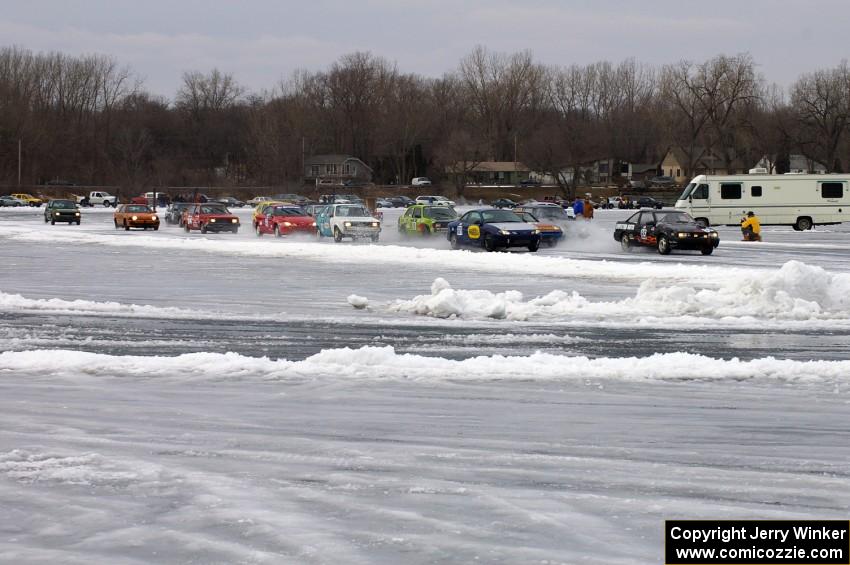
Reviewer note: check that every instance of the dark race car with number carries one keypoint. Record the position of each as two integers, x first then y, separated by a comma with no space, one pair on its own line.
493,229
665,230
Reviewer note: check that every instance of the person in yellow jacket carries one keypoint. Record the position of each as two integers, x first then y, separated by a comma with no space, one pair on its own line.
751,227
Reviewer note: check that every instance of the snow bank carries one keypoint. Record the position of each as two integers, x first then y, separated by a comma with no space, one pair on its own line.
371,363
16,302
525,264
796,292
358,302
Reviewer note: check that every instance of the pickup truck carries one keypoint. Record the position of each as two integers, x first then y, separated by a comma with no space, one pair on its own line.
97,198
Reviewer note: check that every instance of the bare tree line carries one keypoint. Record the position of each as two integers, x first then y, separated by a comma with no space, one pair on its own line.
89,119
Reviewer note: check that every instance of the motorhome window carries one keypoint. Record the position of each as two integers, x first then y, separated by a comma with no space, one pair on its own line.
701,192
730,191
832,190
755,190
687,191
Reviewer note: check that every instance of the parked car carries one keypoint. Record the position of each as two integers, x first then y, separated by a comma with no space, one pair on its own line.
174,212
231,202
347,220
662,181
284,219
135,216
435,201
61,210
648,202
550,234
531,182
29,199
493,229
425,219
420,181
383,203
292,198
665,230
257,199
11,201
210,217
97,198
401,201
503,203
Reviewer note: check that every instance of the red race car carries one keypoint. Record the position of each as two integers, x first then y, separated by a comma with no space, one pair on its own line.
283,220
209,217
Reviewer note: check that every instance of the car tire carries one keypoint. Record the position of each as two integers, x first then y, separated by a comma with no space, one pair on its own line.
78,222
126,226
235,230
277,231
453,241
257,230
203,228
46,220
186,228
374,238
337,235
116,224
625,243
664,245
534,246
156,228
489,244
803,224
707,250
52,222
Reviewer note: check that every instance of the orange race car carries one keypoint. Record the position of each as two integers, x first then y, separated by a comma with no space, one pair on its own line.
135,216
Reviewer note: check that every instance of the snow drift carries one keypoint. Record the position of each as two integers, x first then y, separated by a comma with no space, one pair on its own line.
376,363
796,292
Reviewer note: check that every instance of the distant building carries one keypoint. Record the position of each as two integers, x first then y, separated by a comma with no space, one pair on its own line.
336,168
490,172
707,162
794,164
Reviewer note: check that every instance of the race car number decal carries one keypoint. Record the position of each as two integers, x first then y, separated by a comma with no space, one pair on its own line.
643,231
624,227
474,232
460,229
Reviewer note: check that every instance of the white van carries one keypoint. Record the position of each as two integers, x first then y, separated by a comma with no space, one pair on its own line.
795,200
420,181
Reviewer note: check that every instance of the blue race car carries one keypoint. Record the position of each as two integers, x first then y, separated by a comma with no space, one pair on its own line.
493,229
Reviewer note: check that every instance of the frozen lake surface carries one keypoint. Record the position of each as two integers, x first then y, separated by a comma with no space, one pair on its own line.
179,398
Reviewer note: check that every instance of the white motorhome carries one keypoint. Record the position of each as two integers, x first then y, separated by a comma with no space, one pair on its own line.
795,200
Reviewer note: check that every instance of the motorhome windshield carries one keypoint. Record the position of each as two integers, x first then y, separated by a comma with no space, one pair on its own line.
688,190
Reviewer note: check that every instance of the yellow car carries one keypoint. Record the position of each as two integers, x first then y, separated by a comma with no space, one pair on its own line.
259,210
29,199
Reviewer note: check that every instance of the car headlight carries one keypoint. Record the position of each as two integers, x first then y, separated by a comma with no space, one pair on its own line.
154,218
375,224
314,224
347,224
212,220
134,218
535,232
287,224
504,232
234,221
557,228
714,234
77,214
57,213
682,234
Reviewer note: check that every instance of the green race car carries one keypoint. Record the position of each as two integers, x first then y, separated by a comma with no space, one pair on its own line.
425,219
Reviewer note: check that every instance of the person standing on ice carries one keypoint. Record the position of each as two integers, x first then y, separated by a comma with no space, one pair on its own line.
578,207
587,212
751,227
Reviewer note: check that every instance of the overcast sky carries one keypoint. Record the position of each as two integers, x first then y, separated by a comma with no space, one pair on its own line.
261,41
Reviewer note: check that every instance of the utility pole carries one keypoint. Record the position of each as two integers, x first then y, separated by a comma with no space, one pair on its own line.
19,163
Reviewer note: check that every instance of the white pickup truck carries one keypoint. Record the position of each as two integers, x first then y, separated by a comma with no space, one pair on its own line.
98,198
